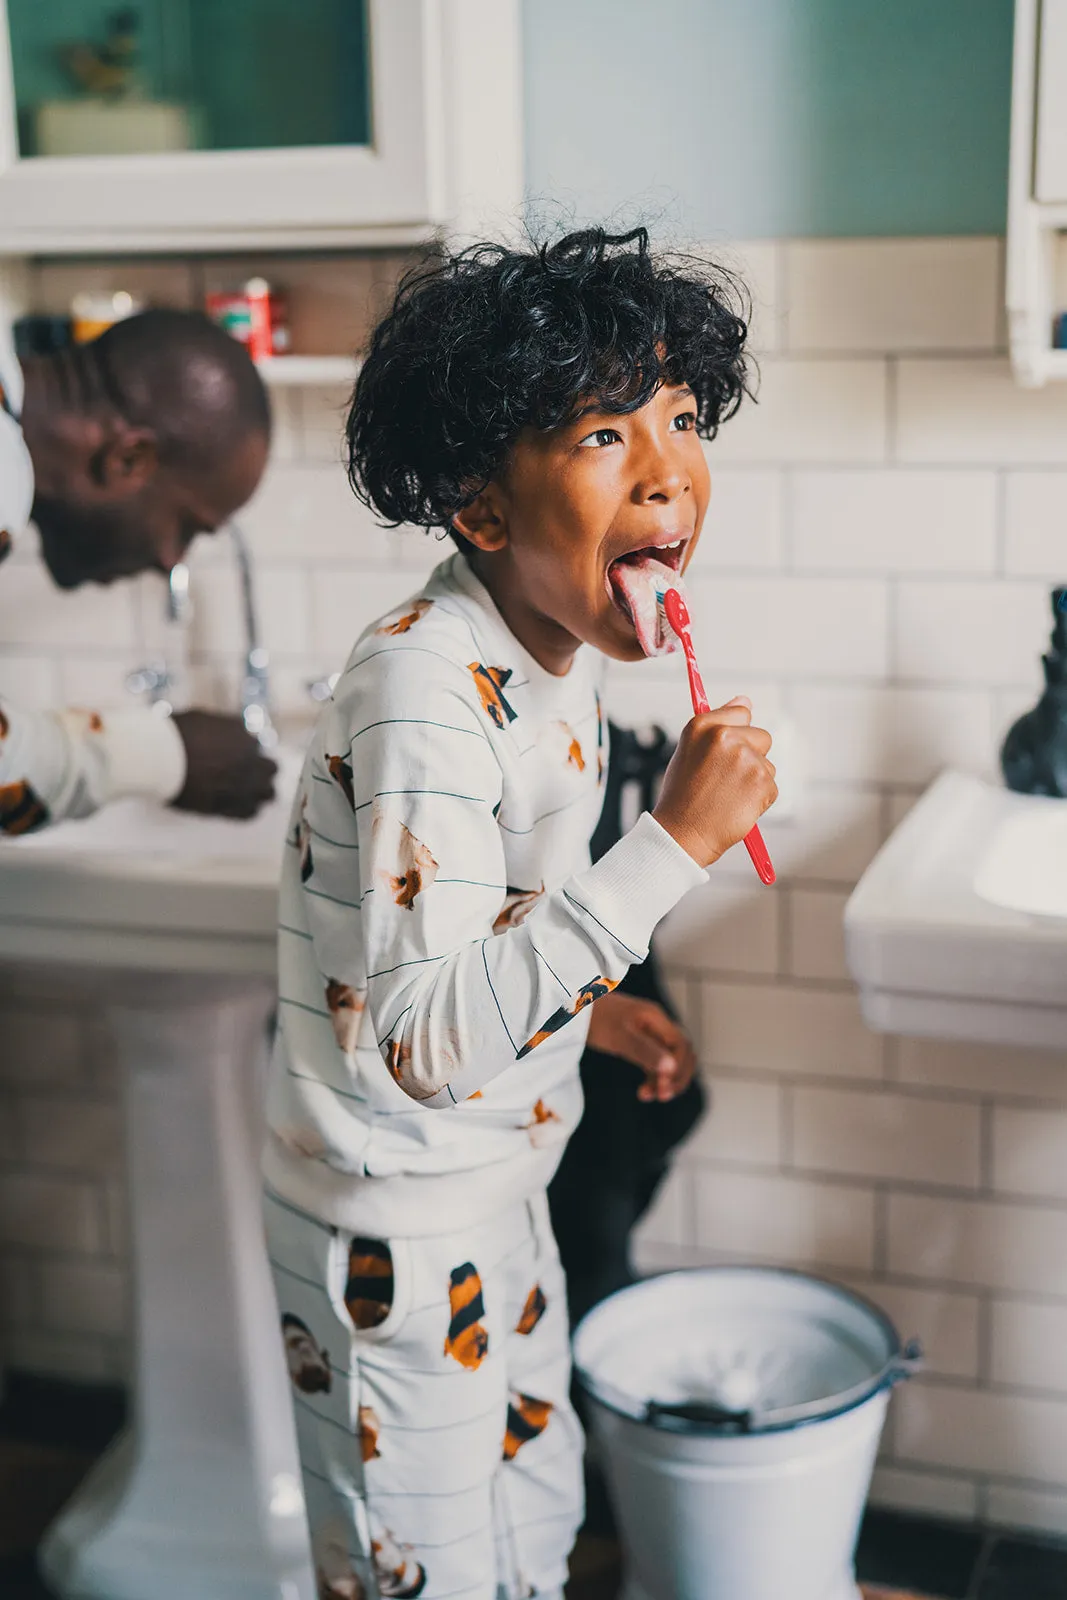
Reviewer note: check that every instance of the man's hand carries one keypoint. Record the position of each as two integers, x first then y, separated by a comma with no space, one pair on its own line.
641,1031
227,774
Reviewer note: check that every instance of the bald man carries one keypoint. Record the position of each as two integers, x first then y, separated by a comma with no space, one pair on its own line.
122,451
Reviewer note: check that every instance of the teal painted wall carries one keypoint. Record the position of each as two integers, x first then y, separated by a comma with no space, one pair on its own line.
757,118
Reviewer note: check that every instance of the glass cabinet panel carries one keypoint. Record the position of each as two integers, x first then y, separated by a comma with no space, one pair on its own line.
94,79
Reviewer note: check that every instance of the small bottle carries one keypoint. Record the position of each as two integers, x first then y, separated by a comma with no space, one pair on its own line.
92,314
260,336
1033,757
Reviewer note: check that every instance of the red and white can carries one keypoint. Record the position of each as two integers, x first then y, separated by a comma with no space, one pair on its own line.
260,334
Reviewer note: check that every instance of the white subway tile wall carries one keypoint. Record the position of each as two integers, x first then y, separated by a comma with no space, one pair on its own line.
884,526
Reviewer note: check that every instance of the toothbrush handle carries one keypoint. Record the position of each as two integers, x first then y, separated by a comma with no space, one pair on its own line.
757,850
760,856
696,683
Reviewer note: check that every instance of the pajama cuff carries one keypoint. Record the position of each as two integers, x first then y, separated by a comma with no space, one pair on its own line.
631,888
145,755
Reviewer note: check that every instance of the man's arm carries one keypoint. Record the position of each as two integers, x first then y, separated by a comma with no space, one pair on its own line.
68,763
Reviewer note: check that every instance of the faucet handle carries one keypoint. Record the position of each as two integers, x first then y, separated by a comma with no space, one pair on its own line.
179,603
320,689
152,680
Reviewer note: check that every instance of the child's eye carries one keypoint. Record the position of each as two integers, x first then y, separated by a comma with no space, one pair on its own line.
601,437
684,422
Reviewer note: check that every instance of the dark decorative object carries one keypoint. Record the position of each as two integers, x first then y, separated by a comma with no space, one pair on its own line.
40,335
107,69
1033,757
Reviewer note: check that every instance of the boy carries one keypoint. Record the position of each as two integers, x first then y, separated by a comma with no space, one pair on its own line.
444,939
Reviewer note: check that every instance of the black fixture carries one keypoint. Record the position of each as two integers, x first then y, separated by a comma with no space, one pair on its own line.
1033,757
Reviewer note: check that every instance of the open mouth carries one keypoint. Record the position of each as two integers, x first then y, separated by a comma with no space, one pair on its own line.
636,581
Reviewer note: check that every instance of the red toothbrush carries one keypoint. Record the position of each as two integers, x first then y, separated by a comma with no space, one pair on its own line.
678,617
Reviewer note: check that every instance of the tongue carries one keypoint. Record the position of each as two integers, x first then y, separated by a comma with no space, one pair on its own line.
637,586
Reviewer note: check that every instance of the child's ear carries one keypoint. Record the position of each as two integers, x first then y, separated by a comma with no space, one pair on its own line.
482,523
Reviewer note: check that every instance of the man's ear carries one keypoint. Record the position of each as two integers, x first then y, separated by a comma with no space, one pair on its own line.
482,523
126,461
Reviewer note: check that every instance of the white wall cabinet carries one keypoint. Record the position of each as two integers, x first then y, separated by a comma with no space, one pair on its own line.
1050,174
1037,191
444,153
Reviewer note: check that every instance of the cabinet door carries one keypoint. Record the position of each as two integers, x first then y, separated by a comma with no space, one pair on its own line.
1050,175
178,122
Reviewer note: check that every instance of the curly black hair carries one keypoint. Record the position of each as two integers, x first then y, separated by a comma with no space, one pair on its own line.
493,340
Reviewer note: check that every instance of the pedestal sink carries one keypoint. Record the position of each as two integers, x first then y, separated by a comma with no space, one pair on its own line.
167,920
958,928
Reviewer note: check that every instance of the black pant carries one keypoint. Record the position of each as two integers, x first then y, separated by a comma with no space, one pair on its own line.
615,1162
618,1155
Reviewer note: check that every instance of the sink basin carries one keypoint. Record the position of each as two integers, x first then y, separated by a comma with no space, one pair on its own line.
142,887
1025,866
958,928
166,922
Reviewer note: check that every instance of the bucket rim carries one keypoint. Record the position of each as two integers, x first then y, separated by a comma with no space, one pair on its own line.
904,1358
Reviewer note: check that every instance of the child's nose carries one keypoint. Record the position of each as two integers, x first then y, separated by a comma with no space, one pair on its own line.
662,482
662,474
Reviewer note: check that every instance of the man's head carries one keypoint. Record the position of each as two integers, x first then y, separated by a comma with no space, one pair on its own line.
153,433
547,406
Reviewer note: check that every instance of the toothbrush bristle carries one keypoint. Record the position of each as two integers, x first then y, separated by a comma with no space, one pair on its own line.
676,611
663,627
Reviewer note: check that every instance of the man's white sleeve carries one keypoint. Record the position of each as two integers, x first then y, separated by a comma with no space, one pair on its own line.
68,763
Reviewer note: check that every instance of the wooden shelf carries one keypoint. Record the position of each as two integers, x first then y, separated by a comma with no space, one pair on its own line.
291,371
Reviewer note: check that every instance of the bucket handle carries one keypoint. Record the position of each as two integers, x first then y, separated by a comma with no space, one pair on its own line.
911,1360
701,1413
705,1413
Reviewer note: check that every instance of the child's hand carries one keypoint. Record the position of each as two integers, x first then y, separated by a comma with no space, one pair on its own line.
719,782
641,1031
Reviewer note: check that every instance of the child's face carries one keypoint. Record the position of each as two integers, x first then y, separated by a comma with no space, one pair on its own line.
573,501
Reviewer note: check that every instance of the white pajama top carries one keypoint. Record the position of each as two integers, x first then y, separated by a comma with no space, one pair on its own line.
442,931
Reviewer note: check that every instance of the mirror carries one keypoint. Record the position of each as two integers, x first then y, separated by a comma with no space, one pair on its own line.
96,79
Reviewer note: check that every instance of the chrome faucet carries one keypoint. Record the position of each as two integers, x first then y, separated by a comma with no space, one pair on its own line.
179,604
255,684
156,681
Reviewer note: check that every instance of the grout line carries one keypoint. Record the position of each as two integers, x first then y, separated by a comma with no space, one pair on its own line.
906,1188
985,1340
986,1172
787,520
892,408
880,1255
891,1060
868,1283
785,930
950,1382
787,1132
948,1094
893,675
1000,525
781,294
690,1211
1005,1480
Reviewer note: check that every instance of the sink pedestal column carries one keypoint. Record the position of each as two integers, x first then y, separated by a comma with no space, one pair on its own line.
201,1497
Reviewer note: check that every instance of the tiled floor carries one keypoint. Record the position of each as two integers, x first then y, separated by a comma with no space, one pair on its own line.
1009,1570
49,1436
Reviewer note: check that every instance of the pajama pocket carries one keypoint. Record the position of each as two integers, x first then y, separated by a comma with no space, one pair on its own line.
370,1284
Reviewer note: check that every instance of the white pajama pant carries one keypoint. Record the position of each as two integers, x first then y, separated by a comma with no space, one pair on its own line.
430,1377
